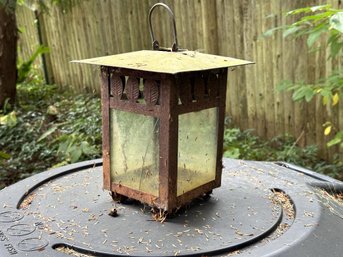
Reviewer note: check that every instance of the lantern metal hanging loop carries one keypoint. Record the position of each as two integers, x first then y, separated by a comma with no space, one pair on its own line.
155,43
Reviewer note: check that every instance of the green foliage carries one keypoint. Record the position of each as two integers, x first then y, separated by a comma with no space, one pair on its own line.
52,128
329,89
25,68
9,119
315,23
78,137
244,145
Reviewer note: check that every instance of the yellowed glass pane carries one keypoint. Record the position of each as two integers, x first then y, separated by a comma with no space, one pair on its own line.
135,151
197,149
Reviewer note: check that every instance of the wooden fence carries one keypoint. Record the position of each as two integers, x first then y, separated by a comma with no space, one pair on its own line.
225,27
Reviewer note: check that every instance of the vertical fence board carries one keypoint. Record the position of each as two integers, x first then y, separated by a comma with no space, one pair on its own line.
260,98
288,70
233,40
249,39
28,36
276,12
209,25
268,63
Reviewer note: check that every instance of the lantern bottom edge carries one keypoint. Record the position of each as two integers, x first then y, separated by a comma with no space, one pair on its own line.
123,194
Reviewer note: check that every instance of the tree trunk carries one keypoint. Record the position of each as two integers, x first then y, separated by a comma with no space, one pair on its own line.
8,51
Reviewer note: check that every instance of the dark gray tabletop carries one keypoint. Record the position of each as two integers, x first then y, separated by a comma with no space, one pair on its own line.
261,209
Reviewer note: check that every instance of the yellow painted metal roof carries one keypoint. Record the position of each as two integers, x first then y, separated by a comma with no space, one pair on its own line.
166,62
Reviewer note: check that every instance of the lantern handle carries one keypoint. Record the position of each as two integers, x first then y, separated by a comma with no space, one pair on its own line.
155,43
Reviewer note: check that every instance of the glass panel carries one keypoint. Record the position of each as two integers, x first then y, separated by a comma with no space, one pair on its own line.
135,151
197,151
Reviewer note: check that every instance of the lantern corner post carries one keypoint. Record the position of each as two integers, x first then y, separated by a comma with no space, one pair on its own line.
221,120
168,144
105,106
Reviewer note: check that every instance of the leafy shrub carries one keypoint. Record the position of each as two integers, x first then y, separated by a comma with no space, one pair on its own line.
25,71
51,128
315,22
244,145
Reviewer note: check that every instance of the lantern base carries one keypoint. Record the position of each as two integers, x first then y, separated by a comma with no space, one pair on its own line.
65,212
157,213
144,187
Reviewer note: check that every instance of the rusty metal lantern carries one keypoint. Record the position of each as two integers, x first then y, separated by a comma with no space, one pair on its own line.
163,121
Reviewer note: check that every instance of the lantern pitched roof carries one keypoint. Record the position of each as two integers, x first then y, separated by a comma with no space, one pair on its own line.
165,62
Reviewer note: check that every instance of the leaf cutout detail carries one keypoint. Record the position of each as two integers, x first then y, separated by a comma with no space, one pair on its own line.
151,92
117,86
132,89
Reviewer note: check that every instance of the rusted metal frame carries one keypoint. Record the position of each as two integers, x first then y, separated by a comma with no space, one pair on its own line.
105,95
168,144
135,194
194,74
198,106
139,74
203,100
221,118
125,105
196,192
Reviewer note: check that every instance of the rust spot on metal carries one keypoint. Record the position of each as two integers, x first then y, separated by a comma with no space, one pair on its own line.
105,96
